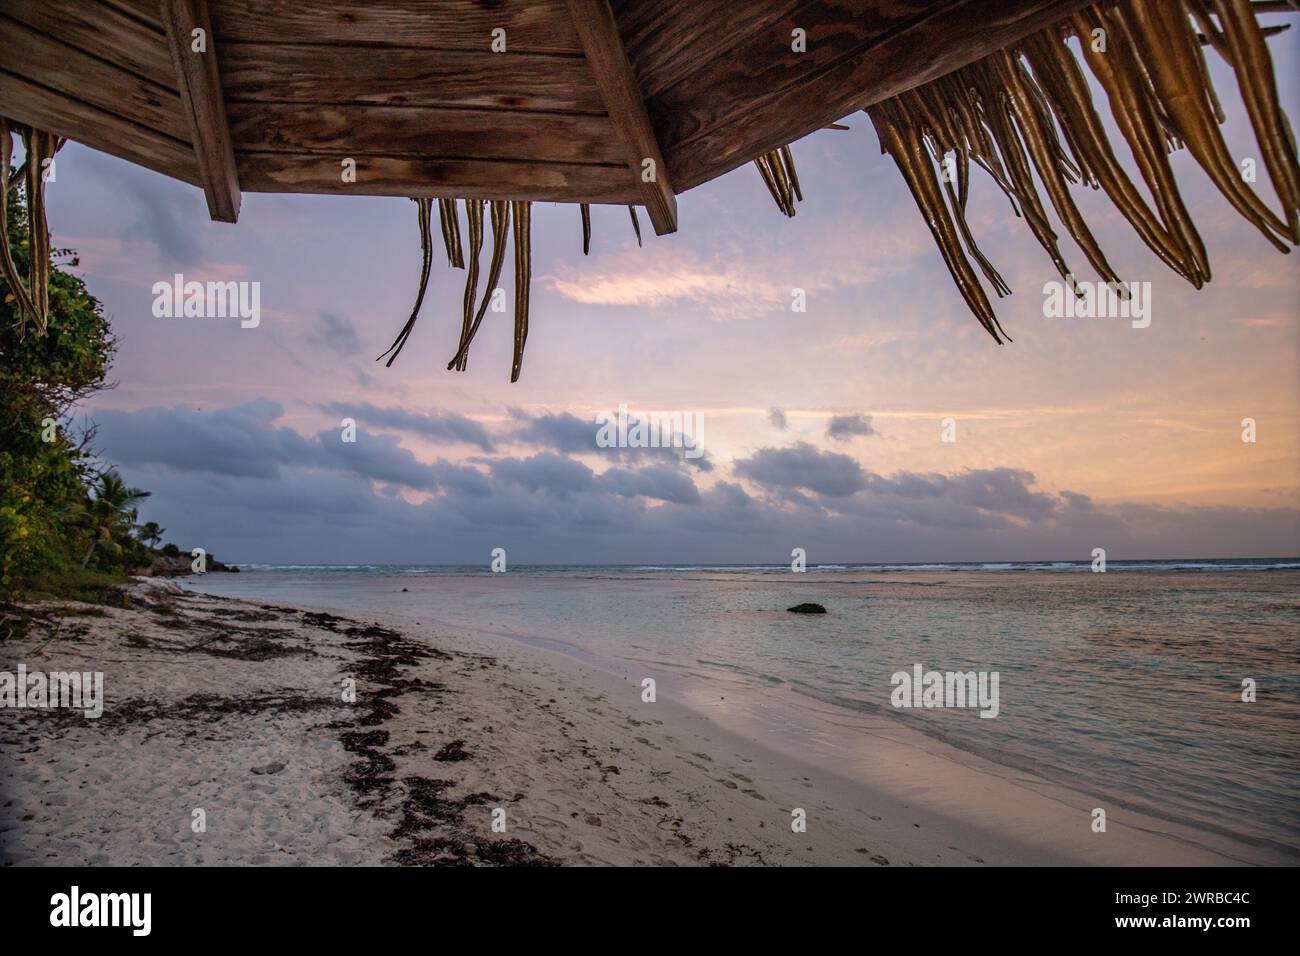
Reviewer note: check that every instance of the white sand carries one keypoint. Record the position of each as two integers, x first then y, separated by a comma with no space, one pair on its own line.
585,772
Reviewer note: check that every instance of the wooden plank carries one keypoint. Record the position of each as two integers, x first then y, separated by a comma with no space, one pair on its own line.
721,88
146,11
350,129
531,26
603,45
96,28
669,39
194,51
458,178
27,53
35,105
297,73
703,139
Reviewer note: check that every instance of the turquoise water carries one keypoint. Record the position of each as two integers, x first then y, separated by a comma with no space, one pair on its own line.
1125,684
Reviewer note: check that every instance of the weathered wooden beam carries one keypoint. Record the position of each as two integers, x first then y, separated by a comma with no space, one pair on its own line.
598,31
765,95
530,26
405,76
189,34
375,175
94,27
668,40
92,79
350,129
28,102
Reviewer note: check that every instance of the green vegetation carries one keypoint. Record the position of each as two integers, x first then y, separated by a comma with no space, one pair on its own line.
67,524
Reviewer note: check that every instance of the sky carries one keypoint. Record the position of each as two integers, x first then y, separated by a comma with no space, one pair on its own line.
822,429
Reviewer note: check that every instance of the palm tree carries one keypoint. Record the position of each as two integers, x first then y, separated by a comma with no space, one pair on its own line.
111,512
151,534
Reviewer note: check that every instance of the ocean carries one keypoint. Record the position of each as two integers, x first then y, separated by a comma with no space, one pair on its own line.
1126,684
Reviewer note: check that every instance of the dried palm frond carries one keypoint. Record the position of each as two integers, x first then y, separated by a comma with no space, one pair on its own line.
33,299
1176,75
1026,116
636,225
38,235
901,139
450,219
778,173
426,248
1136,113
500,212
787,158
474,214
523,271
1249,58
523,212
26,310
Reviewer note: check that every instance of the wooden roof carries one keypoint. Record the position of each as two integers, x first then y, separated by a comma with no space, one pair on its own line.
584,93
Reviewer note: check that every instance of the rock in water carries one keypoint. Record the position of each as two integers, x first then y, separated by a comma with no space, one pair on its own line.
807,609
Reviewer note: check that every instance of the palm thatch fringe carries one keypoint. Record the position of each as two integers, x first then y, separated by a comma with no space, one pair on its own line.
1025,115
500,213
474,213
636,225
32,298
26,310
778,173
1009,112
585,210
450,219
523,214
426,247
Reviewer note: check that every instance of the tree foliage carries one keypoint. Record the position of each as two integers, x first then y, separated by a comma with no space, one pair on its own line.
48,513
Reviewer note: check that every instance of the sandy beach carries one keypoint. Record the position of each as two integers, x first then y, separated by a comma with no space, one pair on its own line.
236,709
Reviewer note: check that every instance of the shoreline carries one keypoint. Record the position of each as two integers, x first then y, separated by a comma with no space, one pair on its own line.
449,727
